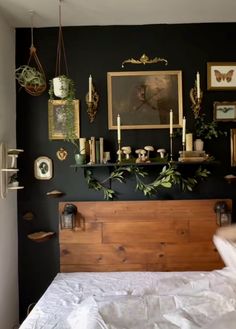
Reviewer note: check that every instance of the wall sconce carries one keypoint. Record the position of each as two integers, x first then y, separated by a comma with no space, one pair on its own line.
223,214
68,217
92,99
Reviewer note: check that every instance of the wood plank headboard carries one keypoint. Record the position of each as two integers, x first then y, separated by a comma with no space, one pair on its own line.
169,235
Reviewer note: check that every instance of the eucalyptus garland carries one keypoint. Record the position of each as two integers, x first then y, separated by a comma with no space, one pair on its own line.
167,178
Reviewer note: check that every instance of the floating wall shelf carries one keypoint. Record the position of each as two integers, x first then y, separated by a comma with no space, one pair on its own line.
8,166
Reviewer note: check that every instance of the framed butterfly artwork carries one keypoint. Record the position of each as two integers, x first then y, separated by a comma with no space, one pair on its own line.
224,111
221,76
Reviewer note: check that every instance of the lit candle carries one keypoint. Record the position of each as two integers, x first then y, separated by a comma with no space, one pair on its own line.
184,130
90,88
171,122
198,85
118,127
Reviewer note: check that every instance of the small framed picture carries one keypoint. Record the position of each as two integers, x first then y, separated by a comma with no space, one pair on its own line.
43,168
60,121
221,76
224,111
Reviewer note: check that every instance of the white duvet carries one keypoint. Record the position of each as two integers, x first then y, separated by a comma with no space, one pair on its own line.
137,300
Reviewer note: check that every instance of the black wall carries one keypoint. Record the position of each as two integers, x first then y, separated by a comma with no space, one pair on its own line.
96,51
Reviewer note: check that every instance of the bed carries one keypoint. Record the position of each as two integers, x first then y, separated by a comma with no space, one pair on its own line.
142,265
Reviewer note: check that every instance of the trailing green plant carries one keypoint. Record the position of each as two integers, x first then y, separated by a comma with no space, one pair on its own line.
70,132
167,178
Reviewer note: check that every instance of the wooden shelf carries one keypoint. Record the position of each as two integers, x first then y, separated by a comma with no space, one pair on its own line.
15,187
150,164
14,151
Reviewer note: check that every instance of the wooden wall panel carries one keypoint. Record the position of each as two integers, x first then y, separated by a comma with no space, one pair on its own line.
143,232
170,235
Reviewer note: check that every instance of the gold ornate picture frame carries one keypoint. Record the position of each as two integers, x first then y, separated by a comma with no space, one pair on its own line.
233,146
224,111
57,119
144,99
221,76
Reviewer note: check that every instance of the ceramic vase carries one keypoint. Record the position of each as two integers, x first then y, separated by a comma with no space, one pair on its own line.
80,158
198,145
60,87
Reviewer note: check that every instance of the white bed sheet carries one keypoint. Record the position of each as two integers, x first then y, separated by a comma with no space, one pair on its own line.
136,300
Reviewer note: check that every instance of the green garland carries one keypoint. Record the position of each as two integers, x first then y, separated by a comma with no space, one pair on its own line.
167,178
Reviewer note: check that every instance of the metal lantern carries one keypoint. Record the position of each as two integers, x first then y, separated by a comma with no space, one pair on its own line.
68,217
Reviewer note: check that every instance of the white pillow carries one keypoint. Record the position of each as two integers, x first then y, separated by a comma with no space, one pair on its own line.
227,251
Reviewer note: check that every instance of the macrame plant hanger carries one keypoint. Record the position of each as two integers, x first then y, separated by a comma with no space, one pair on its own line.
61,53
37,88
31,76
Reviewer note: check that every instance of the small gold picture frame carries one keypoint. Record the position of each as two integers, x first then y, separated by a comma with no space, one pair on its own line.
224,111
221,76
233,146
57,119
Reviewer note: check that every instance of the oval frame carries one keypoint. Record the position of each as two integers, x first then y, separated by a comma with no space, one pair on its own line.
43,168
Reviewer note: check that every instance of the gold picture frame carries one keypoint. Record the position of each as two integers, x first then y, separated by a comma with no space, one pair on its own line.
221,76
224,111
144,99
57,119
233,146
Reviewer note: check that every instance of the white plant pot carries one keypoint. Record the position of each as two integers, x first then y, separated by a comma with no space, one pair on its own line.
60,87
198,145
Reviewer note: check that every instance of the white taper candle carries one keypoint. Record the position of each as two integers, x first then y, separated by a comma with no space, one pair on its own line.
118,128
171,122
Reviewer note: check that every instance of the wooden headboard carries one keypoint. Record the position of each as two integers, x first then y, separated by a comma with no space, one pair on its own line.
169,235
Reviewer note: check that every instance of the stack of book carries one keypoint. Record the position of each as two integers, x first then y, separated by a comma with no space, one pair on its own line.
96,150
192,156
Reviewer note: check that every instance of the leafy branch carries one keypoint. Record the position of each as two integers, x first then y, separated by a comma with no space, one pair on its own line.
168,177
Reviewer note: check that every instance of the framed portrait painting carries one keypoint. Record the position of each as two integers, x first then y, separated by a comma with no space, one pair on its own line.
224,111
221,76
144,99
60,120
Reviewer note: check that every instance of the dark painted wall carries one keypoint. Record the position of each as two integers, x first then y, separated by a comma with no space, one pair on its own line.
97,50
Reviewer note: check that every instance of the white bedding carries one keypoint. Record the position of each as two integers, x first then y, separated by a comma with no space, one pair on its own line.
137,300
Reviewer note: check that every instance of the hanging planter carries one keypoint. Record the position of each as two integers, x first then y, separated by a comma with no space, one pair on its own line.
61,86
31,76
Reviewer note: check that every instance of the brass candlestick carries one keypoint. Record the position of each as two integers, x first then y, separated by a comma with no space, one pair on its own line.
119,152
196,101
171,147
92,104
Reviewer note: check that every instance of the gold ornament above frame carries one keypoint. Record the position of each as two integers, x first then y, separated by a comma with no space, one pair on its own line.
143,99
144,59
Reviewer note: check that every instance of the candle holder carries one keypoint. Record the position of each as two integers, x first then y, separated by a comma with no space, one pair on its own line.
119,152
171,147
196,101
93,104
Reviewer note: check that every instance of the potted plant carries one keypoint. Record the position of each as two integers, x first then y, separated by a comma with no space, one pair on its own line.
31,79
205,130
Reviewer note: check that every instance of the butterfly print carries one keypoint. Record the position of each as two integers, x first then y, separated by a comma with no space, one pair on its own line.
224,76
